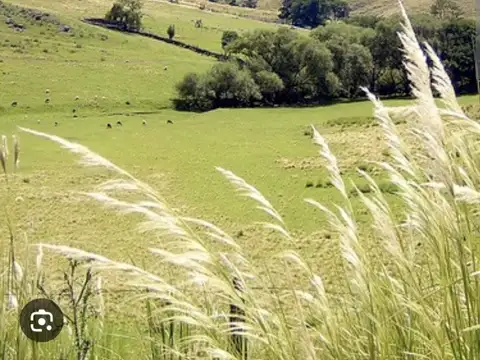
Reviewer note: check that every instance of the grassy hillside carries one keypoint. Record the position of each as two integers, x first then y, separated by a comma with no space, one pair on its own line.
268,9
387,7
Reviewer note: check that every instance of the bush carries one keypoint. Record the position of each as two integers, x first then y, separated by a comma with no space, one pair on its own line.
126,13
193,94
225,85
252,4
171,31
228,37
269,84
232,86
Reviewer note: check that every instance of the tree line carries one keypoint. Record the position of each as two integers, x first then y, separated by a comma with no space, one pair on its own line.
286,67
313,13
338,56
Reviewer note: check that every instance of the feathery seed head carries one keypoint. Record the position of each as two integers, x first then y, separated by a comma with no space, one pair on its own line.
17,271
4,153
12,303
16,152
39,258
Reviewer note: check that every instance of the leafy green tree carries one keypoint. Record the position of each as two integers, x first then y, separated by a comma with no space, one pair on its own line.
312,13
303,64
269,85
232,86
357,70
351,34
171,31
228,37
193,93
225,85
286,10
385,47
252,4
314,64
457,51
339,38
126,13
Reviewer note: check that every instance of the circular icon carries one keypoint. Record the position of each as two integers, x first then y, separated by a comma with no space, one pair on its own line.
41,320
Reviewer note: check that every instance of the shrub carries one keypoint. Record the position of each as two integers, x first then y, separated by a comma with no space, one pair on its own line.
250,3
231,85
171,31
269,84
224,85
126,13
228,37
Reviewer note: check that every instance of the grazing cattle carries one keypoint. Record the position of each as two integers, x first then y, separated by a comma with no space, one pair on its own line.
77,98
165,68
144,122
169,122
74,110
47,100
56,123
109,126
119,123
47,91
38,121
14,103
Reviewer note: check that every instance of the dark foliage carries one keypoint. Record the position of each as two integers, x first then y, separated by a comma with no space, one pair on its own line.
335,61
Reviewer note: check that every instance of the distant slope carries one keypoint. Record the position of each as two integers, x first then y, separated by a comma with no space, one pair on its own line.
268,9
388,7
383,7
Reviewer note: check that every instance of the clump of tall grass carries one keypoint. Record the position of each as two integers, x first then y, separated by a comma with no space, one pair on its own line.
415,304
21,281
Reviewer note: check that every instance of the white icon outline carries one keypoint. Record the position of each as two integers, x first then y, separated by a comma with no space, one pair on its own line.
38,317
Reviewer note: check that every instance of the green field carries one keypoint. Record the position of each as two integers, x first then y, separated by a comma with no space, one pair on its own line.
269,148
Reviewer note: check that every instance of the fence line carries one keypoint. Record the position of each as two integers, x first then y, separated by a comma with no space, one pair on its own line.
118,27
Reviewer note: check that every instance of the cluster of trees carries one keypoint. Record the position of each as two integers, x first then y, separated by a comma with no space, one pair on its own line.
286,67
313,13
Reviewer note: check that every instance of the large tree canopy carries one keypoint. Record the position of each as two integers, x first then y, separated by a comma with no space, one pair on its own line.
312,13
